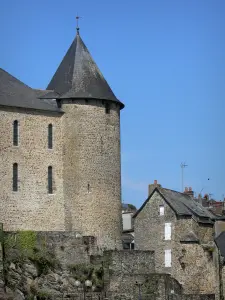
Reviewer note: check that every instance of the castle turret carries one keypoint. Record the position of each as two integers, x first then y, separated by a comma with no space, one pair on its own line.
91,147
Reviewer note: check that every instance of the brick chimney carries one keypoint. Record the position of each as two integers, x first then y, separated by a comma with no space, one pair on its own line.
189,191
152,186
206,197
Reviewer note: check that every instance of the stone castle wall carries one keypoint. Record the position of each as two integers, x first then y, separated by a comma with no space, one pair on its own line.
92,175
189,260
46,265
31,207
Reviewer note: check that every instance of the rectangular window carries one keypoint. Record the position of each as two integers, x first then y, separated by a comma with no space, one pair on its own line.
15,133
168,259
50,189
167,231
50,136
15,177
161,210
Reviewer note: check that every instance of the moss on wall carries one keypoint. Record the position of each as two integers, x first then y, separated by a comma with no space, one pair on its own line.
27,240
24,245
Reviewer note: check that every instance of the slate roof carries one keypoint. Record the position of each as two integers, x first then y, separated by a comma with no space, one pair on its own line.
190,237
79,77
183,205
220,241
15,93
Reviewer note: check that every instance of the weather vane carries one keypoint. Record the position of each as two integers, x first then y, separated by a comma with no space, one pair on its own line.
77,18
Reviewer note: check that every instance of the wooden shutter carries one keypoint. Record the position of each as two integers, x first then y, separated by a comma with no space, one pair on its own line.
168,259
167,231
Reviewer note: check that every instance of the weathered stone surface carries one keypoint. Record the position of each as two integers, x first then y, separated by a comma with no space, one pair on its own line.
18,295
91,157
189,260
86,171
31,208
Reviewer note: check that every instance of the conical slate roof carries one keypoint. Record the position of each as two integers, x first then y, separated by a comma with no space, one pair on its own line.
79,77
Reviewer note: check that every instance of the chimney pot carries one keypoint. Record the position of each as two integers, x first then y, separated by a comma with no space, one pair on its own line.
155,182
186,190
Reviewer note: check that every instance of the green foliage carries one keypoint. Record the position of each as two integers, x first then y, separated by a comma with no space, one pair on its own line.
131,206
24,241
43,295
43,260
27,239
9,242
23,246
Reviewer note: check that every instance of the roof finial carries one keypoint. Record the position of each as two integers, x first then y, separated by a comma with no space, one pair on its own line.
77,17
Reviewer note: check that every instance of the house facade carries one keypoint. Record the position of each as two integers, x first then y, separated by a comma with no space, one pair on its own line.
180,231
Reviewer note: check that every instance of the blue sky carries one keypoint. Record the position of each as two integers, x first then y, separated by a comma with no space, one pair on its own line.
164,59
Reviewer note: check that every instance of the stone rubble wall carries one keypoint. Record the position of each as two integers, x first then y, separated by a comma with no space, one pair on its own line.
46,265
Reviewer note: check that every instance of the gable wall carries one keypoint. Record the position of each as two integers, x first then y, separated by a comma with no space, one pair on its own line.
188,260
31,207
149,229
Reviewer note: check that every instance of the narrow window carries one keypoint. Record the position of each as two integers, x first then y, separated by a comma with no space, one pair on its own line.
107,108
15,177
50,136
167,231
168,258
15,133
50,190
161,210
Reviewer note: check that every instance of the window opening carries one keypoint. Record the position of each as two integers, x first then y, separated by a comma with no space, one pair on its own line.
50,189
15,133
15,177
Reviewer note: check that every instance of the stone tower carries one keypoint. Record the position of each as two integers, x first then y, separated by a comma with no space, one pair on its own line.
91,147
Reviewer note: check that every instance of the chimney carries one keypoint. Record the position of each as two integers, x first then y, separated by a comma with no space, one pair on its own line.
188,191
206,197
151,187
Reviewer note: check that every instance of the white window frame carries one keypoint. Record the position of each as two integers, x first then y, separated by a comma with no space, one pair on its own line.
168,231
168,258
161,210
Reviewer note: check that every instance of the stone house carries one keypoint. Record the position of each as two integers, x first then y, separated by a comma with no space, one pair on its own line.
220,242
180,231
128,210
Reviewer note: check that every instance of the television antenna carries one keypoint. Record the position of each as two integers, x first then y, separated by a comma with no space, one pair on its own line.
182,165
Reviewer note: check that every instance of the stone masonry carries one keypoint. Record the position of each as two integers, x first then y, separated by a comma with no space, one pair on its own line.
91,170
189,260
31,207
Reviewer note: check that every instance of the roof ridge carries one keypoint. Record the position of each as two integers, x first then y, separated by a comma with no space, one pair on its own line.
177,192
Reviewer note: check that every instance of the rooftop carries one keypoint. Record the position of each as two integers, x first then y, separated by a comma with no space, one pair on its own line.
183,205
15,93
